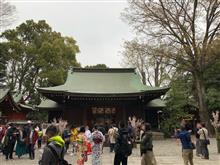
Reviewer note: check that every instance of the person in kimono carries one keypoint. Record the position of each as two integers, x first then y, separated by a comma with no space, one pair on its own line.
73,137
21,148
97,142
81,147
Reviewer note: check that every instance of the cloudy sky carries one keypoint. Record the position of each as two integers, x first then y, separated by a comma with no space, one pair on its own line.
95,25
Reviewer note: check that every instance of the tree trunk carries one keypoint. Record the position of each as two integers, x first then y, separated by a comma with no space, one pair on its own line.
143,77
203,110
156,74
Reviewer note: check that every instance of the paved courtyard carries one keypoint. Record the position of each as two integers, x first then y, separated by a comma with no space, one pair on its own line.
168,152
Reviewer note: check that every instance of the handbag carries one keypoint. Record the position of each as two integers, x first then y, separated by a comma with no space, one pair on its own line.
192,146
207,141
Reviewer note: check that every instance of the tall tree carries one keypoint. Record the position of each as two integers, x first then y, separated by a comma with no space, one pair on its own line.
190,26
212,83
7,13
2,66
180,102
154,68
7,16
97,66
135,55
37,55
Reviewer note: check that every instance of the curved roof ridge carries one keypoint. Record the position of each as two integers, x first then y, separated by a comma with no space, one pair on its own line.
112,70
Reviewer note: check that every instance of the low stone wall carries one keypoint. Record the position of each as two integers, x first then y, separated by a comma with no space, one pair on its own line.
158,135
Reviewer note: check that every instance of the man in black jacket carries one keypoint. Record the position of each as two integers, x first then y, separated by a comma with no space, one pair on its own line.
123,146
10,140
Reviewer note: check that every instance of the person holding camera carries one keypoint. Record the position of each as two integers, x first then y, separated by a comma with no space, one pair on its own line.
184,134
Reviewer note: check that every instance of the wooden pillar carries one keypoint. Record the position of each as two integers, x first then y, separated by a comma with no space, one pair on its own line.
143,110
85,113
64,111
124,113
48,116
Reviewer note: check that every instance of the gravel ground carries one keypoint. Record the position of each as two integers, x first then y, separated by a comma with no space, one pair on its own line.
167,152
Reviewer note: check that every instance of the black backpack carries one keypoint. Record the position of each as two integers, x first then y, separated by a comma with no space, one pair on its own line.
60,161
123,145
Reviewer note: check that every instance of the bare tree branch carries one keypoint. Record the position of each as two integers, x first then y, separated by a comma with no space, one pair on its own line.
7,12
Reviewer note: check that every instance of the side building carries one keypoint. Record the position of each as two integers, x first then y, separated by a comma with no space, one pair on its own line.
102,96
12,107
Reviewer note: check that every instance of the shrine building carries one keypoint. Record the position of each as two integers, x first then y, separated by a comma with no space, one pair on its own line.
100,96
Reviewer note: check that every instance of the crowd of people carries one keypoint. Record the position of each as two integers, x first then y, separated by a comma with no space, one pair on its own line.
25,138
201,144
85,141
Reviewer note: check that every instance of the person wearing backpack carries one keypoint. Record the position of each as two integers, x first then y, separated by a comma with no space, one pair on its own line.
123,146
53,153
146,147
112,132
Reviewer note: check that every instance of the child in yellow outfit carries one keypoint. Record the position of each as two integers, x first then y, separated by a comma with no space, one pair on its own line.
73,137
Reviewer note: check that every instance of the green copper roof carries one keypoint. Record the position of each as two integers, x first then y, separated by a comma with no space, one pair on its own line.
48,104
17,97
26,107
14,98
102,81
156,103
3,93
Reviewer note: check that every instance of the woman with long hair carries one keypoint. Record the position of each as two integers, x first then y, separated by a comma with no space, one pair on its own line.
21,146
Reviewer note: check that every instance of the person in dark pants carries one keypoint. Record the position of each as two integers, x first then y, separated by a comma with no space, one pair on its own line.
123,146
112,132
120,159
40,136
198,142
11,139
204,136
66,137
33,136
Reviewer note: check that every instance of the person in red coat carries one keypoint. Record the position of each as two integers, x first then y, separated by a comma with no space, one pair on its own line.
33,136
2,133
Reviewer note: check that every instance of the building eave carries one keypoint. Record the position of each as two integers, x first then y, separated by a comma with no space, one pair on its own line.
67,93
